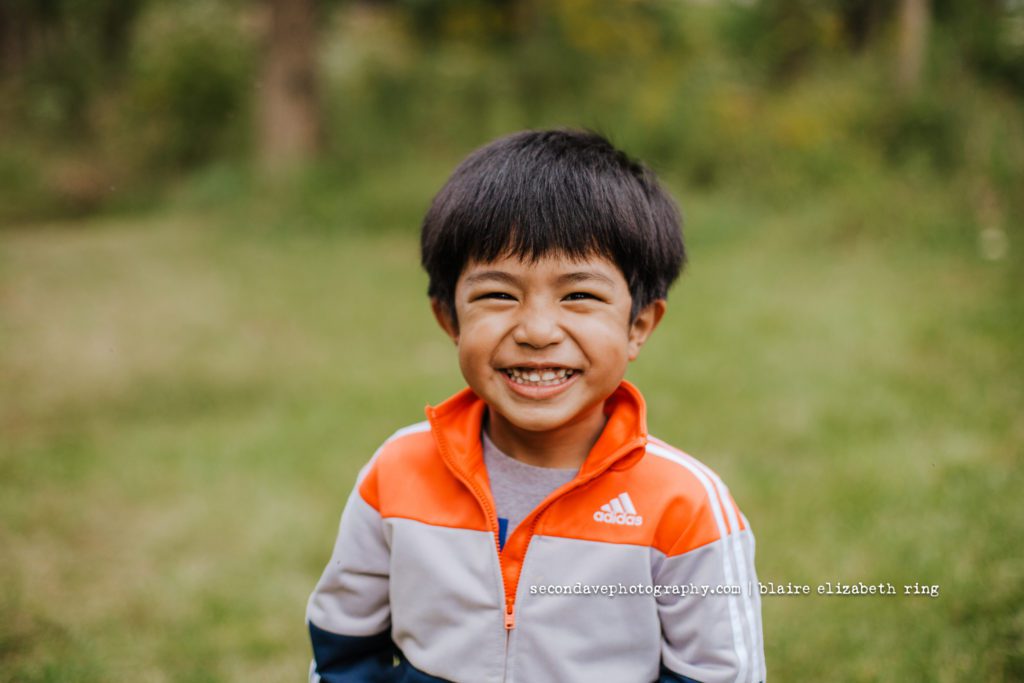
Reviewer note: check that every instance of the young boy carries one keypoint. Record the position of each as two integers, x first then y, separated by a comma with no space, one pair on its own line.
531,530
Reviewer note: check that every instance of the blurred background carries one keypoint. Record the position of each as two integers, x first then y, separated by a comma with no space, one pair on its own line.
211,309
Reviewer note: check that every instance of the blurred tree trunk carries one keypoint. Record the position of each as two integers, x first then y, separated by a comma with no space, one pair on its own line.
19,27
914,16
289,107
862,20
116,22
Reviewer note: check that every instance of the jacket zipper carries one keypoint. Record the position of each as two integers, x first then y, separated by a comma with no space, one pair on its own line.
510,615
576,483
492,520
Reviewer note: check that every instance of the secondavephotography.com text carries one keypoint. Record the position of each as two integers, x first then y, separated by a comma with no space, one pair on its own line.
766,588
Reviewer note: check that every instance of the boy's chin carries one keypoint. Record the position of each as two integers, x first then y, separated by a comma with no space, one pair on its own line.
536,426
539,420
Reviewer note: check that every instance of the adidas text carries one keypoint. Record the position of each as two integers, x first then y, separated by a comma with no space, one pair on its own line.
618,518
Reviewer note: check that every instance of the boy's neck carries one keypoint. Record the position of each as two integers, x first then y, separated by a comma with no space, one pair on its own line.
563,448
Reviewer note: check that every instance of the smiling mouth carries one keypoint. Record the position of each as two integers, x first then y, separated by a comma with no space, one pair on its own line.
539,377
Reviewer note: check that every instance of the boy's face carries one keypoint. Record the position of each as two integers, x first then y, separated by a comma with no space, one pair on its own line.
544,343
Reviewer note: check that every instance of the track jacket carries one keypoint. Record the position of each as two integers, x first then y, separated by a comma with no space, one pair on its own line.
417,579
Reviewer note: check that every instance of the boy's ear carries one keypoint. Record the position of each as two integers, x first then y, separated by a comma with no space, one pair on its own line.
443,314
644,323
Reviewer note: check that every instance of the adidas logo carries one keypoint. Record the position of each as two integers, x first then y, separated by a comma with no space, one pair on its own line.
619,510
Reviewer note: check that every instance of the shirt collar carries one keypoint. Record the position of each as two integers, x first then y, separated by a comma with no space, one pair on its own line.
455,425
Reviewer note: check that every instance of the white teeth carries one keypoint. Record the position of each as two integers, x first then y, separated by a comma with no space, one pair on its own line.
543,378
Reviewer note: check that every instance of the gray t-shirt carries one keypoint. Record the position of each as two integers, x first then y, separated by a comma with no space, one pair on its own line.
517,487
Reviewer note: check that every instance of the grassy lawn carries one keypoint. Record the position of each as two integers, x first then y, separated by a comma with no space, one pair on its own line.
186,401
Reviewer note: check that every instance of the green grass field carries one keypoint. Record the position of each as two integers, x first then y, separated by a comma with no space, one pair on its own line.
186,399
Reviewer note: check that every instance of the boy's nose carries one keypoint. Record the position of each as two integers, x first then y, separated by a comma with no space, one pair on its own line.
538,326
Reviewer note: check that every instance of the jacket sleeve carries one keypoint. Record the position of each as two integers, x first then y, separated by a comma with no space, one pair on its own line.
716,636
348,614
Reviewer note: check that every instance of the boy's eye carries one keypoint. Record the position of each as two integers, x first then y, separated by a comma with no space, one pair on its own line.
501,296
580,296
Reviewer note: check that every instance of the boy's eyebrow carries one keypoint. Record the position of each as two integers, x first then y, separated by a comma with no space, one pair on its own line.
499,275
583,276
567,278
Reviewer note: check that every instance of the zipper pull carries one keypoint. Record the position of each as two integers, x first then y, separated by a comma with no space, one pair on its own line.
510,617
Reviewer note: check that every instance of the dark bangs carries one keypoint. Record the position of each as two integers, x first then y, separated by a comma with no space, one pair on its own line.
569,193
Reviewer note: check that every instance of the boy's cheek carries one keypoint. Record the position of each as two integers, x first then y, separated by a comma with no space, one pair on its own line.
481,329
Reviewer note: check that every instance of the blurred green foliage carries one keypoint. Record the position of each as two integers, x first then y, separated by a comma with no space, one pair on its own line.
775,96
190,73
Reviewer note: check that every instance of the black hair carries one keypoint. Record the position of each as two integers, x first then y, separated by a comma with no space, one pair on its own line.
567,192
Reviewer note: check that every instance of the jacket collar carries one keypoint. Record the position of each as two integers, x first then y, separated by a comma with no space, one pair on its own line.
455,425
